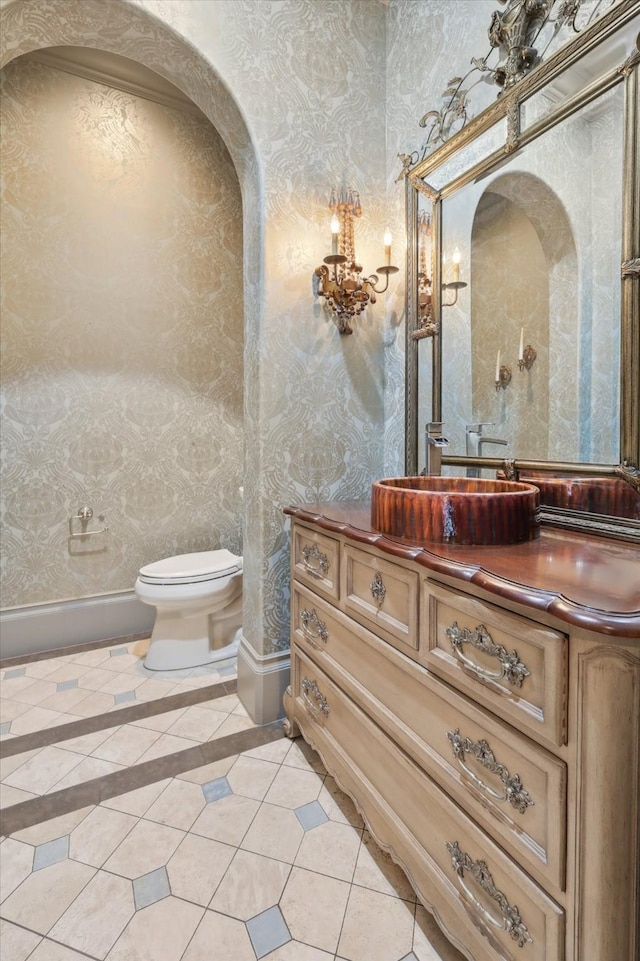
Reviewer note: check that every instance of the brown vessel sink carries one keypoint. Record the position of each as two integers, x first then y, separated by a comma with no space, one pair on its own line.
456,510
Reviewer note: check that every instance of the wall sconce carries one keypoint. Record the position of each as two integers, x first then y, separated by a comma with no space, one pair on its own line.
456,284
345,292
503,375
526,355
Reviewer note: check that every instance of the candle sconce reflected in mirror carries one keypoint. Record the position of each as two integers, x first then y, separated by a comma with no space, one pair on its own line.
526,355
454,285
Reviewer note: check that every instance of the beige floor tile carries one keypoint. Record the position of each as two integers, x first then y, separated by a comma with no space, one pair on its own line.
68,672
197,723
44,769
9,709
252,777
137,801
231,725
154,690
302,756
14,687
164,745
42,669
275,751
160,932
197,867
52,951
376,927
9,764
97,703
178,806
94,679
209,772
331,848
91,658
252,884
147,847
98,916
337,805
88,769
37,692
17,944
313,906
160,722
99,834
11,795
225,704
226,820
295,951
87,743
53,828
122,682
199,680
126,745
229,936
376,870
16,859
46,894
274,832
121,664
65,701
36,719
293,787
429,943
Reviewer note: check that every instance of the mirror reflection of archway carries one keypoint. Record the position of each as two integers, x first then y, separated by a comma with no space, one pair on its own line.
524,278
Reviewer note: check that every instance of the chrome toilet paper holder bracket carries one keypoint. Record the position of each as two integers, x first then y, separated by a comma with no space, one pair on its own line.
84,515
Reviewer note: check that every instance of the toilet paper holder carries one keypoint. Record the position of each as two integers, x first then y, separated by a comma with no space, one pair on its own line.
84,515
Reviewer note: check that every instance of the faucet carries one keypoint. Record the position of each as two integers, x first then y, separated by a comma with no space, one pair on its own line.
433,444
476,441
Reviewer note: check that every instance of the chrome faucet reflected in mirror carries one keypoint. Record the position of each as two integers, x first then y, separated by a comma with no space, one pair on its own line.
476,441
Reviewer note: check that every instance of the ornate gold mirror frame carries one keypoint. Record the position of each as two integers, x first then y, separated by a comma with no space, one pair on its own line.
520,83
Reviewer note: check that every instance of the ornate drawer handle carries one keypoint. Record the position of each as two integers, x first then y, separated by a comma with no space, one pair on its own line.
513,791
315,562
509,918
309,620
311,690
378,590
511,667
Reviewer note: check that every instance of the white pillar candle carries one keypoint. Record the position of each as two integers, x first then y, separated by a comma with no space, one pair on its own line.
387,247
521,351
498,367
335,230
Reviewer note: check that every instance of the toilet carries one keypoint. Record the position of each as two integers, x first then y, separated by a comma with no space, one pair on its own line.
198,601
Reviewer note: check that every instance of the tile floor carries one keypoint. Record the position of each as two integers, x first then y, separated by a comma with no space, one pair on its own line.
255,855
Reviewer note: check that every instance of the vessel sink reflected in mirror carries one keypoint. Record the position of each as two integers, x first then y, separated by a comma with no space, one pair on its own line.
456,510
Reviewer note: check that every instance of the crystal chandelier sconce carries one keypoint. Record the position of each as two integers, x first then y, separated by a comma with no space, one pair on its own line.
346,293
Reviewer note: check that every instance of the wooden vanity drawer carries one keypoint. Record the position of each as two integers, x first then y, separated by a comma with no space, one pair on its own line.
509,784
516,668
382,595
315,559
450,859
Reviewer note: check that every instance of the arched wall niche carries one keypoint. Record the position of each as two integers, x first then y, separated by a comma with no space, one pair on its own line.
121,27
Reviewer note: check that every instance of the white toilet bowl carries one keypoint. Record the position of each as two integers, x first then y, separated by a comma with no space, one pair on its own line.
198,601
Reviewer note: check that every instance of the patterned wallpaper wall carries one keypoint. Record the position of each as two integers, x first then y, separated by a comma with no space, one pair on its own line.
122,360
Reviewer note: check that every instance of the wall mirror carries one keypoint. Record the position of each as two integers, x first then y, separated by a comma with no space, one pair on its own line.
523,284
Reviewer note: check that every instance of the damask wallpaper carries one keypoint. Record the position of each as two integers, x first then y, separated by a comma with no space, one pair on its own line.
122,362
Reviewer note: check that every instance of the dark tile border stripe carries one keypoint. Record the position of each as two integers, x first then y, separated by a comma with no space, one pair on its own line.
27,813
71,649
87,725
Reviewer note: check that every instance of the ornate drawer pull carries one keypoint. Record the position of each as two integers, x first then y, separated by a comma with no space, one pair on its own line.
513,791
309,620
315,562
509,918
378,590
311,690
511,667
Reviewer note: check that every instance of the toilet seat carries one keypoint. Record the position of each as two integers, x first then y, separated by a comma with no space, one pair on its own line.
194,568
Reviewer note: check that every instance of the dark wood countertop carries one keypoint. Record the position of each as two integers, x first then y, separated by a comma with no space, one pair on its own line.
584,580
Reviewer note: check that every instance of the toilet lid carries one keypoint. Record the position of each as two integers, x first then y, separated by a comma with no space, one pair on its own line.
191,568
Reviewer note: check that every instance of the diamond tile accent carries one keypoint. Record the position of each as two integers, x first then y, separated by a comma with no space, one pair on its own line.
124,697
5,727
311,815
66,685
151,887
15,672
268,931
216,789
117,651
51,852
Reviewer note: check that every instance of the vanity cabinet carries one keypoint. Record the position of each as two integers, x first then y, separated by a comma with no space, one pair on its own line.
489,733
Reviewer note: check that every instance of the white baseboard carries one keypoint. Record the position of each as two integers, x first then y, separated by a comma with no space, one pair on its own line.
49,627
262,680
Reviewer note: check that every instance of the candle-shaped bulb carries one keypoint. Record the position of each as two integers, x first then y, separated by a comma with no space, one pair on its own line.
335,230
456,265
387,247
521,350
498,368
